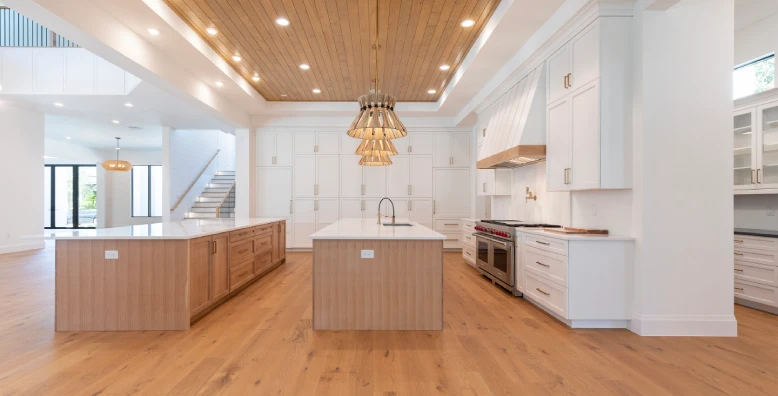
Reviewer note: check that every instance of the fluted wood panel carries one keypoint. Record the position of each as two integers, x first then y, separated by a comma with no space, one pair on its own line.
145,289
400,289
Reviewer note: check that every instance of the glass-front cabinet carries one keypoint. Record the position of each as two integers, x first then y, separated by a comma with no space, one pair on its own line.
745,150
755,149
767,170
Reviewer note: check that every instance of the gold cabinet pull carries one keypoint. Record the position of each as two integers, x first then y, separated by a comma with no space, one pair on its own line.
738,270
538,289
752,176
738,241
214,247
758,178
483,132
545,265
543,243
484,187
739,288
290,205
738,254
564,82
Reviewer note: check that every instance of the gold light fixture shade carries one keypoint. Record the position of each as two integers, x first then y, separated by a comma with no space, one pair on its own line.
380,159
117,166
375,147
377,119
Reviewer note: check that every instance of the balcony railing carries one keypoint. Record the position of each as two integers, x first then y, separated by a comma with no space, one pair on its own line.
16,30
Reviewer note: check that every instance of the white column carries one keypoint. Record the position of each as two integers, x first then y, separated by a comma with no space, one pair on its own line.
683,200
166,182
245,173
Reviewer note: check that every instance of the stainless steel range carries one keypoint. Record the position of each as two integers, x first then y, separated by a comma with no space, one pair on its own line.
495,250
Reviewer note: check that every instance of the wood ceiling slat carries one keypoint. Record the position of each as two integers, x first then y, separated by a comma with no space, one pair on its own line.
335,37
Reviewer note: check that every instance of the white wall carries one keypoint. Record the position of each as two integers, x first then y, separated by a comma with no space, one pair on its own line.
756,40
21,134
189,151
756,211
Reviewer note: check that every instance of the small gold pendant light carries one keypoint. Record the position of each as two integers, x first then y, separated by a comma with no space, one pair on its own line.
117,165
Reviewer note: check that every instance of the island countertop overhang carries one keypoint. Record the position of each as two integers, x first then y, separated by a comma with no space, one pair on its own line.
369,229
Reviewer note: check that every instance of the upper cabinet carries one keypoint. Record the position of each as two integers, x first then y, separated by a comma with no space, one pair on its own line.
317,142
274,149
756,149
452,149
588,130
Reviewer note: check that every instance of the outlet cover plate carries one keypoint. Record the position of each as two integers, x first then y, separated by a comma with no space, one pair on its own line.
368,254
111,254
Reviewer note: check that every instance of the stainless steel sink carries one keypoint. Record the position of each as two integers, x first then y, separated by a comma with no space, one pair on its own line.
398,224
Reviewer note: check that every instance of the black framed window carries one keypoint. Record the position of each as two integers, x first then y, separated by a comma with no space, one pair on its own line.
70,196
146,190
754,76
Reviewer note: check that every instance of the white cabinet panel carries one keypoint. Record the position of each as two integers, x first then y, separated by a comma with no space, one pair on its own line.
351,176
109,78
452,196
49,70
421,176
327,212
374,180
348,144
351,209
17,70
422,143
284,144
371,208
304,143
328,142
266,149
304,175
585,49
79,71
304,222
274,192
421,212
401,144
442,150
328,173
558,69
585,170
460,148
485,183
558,145
398,176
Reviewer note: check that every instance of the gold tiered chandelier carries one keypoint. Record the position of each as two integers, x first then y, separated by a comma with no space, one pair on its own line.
376,124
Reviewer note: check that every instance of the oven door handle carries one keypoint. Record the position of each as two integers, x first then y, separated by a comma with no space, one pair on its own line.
496,241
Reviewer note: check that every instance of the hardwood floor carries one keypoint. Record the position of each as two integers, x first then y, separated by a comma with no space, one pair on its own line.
261,343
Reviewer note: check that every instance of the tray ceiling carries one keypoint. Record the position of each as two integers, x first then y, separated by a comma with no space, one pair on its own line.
335,38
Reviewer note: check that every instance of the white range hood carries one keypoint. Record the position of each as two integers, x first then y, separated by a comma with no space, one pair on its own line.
516,132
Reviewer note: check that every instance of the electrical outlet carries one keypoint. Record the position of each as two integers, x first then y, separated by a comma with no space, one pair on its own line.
368,254
771,212
111,254
594,210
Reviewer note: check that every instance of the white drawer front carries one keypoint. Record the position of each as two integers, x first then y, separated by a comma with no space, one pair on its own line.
468,227
758,293
550,245
753,242
451,225
550,266
468,253
453,240
468,239
758,273
548,294
756,256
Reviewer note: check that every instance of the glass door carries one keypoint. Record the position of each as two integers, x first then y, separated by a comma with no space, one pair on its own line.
767,171
70,196
745,150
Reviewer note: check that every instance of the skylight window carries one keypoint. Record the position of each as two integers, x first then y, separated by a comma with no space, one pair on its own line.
754,77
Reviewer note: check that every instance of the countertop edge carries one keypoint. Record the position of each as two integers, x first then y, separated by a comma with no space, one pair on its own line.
578,237
758,233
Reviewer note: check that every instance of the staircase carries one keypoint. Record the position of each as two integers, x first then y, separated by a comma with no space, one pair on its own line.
218,198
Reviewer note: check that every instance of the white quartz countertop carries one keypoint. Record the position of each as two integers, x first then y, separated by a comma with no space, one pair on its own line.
573,237
369,229
184,229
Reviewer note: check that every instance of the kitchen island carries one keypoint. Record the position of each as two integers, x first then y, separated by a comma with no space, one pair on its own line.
158,276
368,276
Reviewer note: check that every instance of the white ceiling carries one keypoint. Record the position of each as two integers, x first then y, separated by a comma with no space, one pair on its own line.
748,12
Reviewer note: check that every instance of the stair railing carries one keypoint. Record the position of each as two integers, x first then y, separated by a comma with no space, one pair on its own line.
219,207
199,175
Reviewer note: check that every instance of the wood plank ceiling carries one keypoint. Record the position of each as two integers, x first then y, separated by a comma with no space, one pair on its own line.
335,38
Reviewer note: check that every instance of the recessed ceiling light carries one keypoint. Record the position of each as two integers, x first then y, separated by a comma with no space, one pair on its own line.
445,67
282,21
468,23
256,77
316,90
115,121
58,104
68,137
236,58
431,91
153,32
212,31
305,66
283,95
219,84
128,104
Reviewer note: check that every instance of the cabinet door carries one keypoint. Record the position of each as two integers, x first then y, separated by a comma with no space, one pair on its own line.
328,175
304,222
401,144
282,243
351,176
558,149
276,241
558,68
328,143
460,149
485,184
421,212
348,144
421,176
398,177
745,151
351,209
371,208
767,169
304,143
274,192
422,143
442,150
374,180
220,269
304,175
199,274
327,212
452,195
266,149
284,144
585,132
585,48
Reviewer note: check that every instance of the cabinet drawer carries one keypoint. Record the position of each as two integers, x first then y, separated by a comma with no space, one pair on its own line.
753,242
468,239
757,273
240,252
241,274
468,227
758,293
263,244
452,225
548,294
241,235
263,262
550,266
263,229
453,240
547,244
468,253
756,256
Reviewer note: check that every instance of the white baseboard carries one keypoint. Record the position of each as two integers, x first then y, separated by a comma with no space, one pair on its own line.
22,246
685,325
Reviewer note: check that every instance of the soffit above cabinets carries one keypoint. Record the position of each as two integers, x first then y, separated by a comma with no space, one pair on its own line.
335,38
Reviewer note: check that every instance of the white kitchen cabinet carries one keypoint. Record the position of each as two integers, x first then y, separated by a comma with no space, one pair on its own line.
745,149
755,148
351,176
421,211
409,176
421,176
374,181
756,272
317,142
588,120
311,215
274,192
494,182
351,208
767,146
452,149
421,143
304,175
316,175
402,144
327,212
451,192
274,149
348,144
